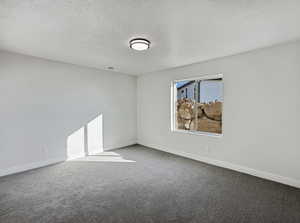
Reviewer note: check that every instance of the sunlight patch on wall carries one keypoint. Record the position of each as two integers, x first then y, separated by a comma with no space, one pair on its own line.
76,144
95,135
87,140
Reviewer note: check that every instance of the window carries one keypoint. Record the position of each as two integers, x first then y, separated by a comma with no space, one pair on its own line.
197,105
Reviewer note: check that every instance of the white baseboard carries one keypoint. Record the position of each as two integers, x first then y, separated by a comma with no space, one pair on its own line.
22,168
231,166
75,156
120,145
91,153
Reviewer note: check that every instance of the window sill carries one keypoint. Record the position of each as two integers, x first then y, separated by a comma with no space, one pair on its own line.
216,135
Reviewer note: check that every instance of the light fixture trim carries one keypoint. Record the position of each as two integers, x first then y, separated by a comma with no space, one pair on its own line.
139,44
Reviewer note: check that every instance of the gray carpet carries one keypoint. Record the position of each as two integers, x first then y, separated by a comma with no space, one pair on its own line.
143,185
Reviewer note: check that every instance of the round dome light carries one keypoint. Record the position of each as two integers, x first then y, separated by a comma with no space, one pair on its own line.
139,44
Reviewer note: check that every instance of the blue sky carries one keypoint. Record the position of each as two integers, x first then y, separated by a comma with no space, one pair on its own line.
181,83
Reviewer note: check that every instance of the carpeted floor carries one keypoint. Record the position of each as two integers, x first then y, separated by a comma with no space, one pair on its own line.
138,184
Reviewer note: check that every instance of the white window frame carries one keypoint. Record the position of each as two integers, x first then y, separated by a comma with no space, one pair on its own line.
174,100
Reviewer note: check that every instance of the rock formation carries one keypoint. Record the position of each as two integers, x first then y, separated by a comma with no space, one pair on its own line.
205,117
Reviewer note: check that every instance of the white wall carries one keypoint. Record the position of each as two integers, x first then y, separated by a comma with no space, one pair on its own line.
42,103
261,113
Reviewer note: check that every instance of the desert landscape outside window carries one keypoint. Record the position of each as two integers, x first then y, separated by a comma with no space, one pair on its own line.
198,104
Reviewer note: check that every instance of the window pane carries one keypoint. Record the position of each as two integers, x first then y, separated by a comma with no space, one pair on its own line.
199,105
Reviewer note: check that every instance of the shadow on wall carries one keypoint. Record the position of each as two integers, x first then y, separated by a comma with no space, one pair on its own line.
87,140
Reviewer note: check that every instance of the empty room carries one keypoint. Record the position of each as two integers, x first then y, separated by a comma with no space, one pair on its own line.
134,111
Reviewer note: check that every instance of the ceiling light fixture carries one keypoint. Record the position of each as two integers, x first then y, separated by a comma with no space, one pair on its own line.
139,44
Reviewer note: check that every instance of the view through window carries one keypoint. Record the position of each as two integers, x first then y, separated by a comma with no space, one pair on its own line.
198,104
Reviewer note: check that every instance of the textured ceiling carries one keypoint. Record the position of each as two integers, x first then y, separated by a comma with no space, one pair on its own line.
95,33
